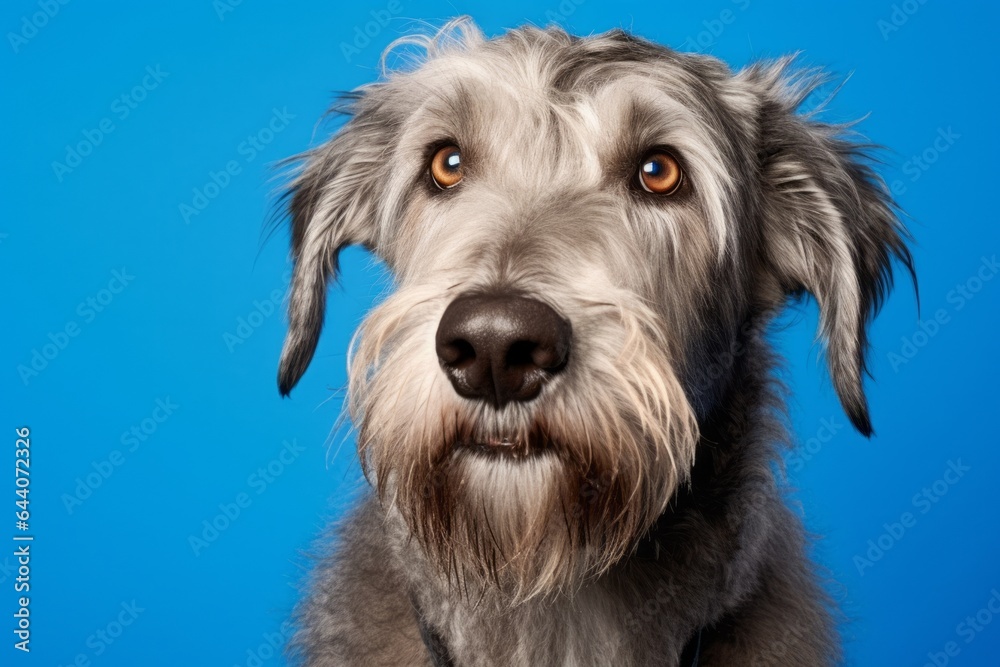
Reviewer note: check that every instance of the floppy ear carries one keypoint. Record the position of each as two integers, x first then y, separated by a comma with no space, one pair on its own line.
830,225
331,205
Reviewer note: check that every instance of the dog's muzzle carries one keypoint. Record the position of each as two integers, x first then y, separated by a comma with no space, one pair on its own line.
501,348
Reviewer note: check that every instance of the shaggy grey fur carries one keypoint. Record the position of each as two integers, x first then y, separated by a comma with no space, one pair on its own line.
645,506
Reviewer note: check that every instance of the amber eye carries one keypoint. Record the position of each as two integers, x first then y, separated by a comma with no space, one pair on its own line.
660,173
446,167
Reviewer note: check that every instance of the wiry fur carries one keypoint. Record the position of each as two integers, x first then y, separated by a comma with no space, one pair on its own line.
642,506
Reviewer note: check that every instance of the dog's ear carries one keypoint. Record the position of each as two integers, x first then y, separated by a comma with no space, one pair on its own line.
332,205
830,225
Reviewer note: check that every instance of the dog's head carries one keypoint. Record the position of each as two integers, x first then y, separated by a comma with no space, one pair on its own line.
576,227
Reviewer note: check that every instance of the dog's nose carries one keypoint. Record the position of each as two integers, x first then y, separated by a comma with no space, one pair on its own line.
499,349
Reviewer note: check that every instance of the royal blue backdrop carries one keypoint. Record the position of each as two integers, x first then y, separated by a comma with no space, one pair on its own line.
173,491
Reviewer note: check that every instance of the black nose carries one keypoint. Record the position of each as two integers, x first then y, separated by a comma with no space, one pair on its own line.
499,348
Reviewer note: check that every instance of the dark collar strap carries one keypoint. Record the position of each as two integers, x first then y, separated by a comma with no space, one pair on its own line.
692,652
432,640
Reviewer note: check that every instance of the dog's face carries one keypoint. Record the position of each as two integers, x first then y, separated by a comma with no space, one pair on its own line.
577,228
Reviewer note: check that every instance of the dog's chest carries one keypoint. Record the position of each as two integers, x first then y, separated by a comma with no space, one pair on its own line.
594,628
581,634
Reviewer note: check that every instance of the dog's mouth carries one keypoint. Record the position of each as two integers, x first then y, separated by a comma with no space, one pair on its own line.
504,446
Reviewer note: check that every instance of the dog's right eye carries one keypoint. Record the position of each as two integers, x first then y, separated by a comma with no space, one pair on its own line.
660,173
446,167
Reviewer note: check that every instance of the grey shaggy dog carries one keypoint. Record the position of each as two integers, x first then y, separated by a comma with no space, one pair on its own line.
566,406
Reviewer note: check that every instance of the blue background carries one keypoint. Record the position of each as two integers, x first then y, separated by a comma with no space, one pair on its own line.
164,336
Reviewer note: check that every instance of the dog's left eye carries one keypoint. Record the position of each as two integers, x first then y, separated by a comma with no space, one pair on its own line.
446,167
660,173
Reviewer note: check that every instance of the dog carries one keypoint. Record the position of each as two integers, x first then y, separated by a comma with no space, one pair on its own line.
567,406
